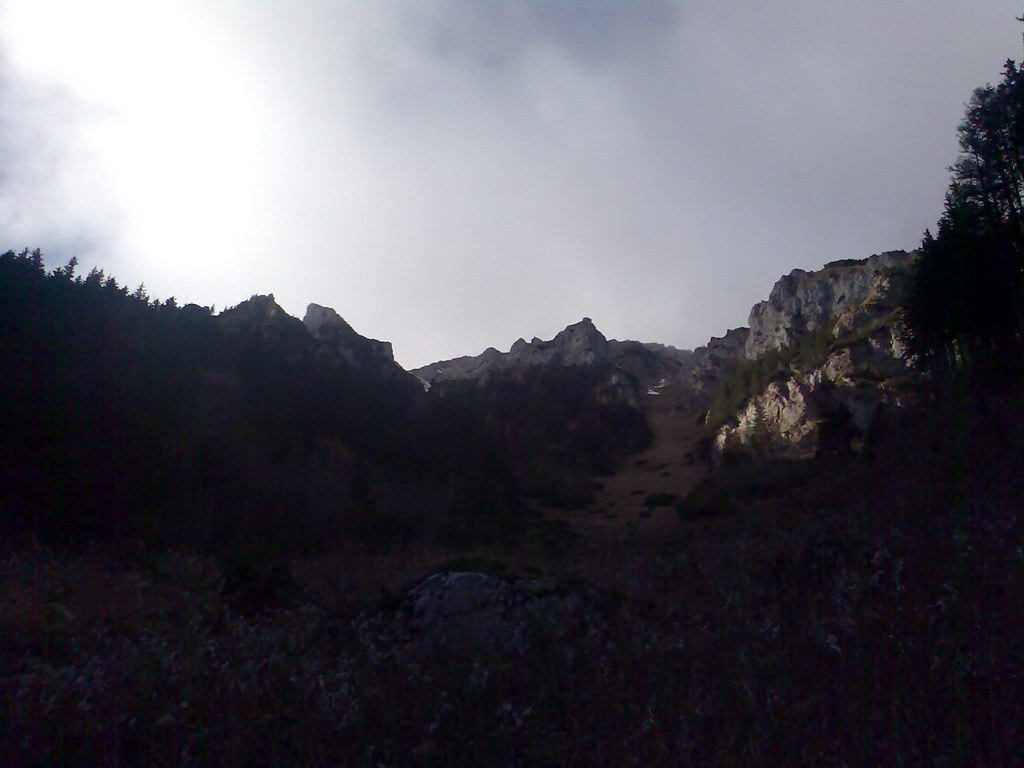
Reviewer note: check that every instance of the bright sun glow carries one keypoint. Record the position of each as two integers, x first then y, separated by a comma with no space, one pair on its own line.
170,118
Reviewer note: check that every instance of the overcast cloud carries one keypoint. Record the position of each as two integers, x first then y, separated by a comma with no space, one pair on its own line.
454,175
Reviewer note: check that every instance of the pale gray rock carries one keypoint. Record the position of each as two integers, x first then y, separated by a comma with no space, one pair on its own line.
831,407
477,368
318,316
337,336
633,367
804,301
578,344
581,344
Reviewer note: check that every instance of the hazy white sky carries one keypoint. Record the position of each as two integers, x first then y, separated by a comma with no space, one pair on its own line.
451,175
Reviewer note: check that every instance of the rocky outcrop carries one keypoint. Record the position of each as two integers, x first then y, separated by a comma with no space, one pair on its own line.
328,326
708,366
322,336
829,409
633,366
803,301
832,405
339,344
466,614
261,316
668,351
636,367
579,344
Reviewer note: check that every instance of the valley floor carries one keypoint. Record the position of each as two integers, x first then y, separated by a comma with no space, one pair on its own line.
843,613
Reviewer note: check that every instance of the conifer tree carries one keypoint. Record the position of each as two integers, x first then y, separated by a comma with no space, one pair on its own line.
968,288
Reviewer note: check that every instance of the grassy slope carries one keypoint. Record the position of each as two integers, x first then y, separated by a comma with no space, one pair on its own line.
668,469
869,615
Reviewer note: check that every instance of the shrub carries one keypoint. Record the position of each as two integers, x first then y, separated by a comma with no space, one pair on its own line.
660,500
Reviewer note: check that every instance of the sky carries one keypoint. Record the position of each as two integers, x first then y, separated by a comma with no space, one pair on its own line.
451,175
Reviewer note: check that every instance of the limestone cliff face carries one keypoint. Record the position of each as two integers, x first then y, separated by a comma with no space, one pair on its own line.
832,405
633,367
805,301
341,345
829,408
322,335
579,344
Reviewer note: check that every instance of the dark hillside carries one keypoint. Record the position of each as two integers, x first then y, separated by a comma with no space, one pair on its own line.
129,417
562,425
852,612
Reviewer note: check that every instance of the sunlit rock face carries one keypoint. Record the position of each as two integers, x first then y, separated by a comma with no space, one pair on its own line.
328,327
828,410
804,301
832,406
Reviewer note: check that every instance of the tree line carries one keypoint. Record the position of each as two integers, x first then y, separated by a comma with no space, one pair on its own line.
967,295
131,417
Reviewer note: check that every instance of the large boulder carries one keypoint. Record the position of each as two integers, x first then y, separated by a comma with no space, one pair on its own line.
466,614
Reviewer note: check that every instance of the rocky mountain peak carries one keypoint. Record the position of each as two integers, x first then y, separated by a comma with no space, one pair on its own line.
581,343
262,306
338,339
260,315
578,344
322,334
318,317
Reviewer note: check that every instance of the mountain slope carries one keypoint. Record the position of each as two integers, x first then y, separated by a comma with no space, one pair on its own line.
567,409
130,418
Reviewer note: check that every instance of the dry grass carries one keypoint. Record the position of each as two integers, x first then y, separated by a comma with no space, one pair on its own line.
871,617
